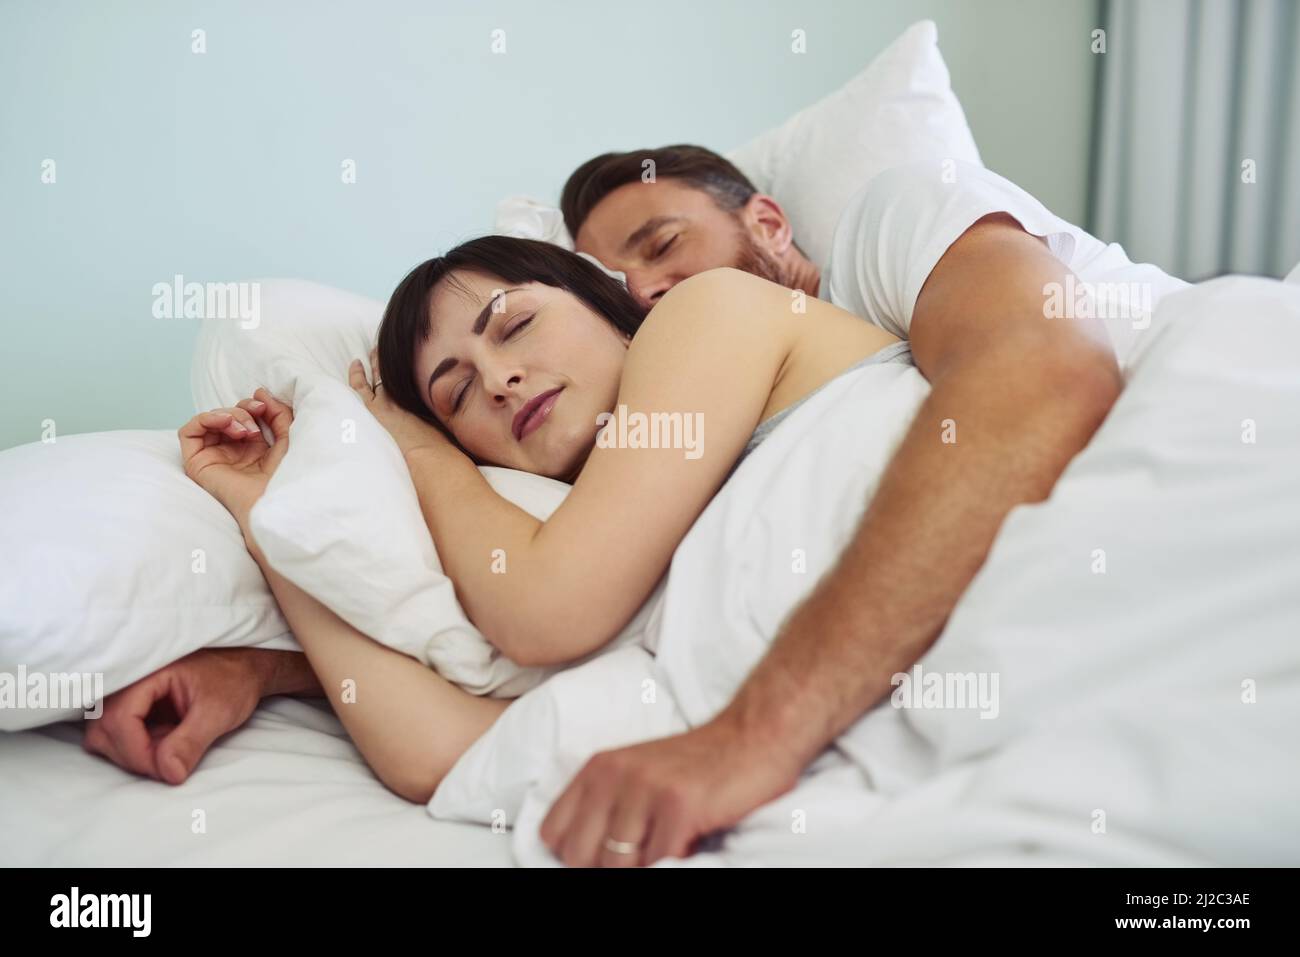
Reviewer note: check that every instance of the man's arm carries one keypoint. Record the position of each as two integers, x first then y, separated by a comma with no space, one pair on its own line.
284,672
163,724
1025,394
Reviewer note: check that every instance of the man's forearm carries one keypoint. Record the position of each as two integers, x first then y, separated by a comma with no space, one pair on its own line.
924,536
285,672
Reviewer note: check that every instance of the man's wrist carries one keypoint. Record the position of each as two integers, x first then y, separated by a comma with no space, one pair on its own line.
786,711
261,663
767,729
284,672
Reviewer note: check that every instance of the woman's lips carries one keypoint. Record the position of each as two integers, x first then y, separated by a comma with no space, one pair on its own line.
533,414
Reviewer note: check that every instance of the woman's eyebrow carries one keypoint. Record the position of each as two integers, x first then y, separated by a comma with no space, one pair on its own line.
481,322
446,365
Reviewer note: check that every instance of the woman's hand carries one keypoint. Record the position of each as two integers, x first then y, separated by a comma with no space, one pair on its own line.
225,453
408,431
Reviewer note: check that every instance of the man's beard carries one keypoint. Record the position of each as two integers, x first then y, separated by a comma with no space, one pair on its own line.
753,258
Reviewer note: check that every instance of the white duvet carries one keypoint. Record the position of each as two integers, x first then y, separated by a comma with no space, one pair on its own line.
1147,713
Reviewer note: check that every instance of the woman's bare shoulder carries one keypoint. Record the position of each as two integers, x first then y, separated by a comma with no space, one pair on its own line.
714,307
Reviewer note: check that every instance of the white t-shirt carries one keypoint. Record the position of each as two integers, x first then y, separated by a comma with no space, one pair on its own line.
895,229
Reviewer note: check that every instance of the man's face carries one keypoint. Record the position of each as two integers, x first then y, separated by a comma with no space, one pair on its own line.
663,232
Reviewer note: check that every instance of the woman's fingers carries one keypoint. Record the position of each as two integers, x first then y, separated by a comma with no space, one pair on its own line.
236,423
194,434
256,409
244,418
374,365
278,415
357,376
206,429
254,406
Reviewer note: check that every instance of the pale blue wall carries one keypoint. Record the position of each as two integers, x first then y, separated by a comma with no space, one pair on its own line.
226,165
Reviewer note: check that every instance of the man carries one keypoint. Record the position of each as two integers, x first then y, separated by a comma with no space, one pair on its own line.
950,256
974,272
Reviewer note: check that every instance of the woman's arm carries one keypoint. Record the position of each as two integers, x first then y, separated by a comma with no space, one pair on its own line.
711,350
410,724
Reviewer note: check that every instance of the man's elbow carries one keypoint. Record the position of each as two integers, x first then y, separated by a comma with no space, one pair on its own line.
1090,380
1071,391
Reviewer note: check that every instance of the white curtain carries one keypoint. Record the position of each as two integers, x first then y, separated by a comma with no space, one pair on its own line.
1196,159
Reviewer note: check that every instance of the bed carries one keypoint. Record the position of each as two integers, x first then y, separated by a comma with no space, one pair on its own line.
287,789
1107,708
1146,713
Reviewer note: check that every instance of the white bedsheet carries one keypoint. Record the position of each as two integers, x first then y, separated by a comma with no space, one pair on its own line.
286,789
1147,715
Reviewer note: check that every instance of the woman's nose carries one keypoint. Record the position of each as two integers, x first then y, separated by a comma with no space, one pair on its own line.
504,385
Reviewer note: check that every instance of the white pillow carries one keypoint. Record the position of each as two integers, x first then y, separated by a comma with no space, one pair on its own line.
341,518
302,328
901,108
112,561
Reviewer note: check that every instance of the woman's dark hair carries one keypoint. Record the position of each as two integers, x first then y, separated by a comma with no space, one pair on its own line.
405,326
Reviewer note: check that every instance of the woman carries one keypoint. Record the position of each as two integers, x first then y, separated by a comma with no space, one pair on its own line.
513,352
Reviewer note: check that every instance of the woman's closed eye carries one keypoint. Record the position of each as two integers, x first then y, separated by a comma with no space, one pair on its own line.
458,399
517,326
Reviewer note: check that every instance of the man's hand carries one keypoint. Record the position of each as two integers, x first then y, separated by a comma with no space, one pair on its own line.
164,723
657,799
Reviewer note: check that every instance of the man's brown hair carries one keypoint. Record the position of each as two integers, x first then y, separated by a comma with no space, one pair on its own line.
699,167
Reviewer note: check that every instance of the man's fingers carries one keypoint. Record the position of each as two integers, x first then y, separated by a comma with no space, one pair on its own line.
125,722
556,823
122,729
628,825
178,753
157,731
586,833
670,833
131,742
96,740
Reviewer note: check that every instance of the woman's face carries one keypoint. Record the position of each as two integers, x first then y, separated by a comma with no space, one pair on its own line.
518,372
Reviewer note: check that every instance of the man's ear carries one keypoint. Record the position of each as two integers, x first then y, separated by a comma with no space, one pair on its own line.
767,222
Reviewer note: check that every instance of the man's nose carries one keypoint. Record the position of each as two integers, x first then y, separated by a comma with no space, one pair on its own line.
648,288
